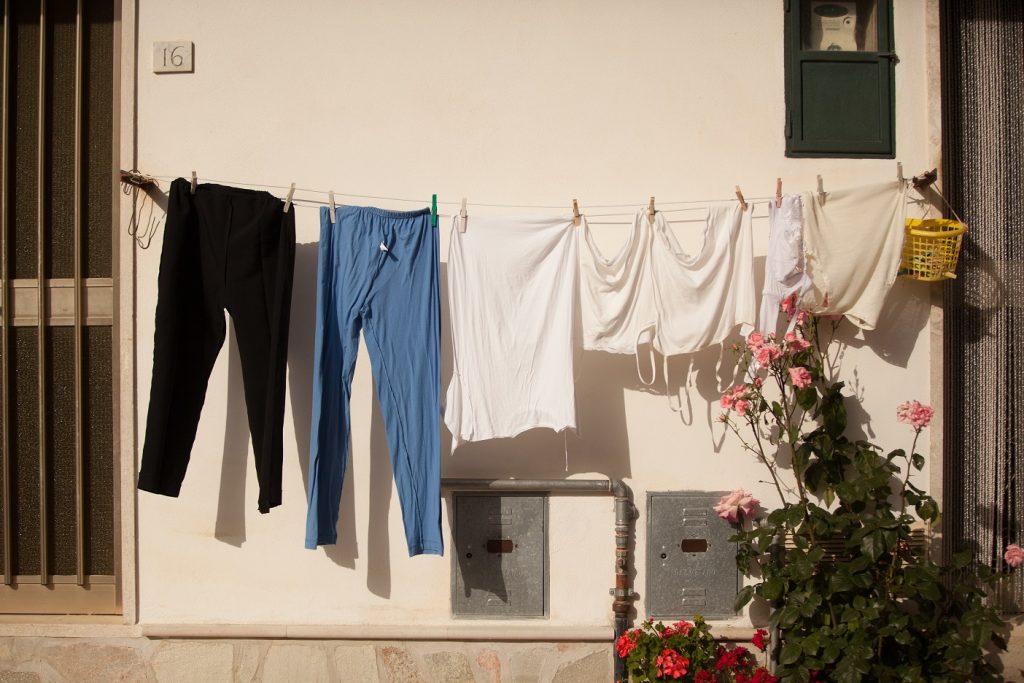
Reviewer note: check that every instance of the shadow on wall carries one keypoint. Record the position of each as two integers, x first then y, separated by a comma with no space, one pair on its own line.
301,337
230,524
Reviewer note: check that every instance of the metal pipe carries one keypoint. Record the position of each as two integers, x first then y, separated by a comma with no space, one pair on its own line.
5,303
625,513
44,573
79,420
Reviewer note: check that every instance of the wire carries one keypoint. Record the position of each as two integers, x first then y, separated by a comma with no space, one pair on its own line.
634,206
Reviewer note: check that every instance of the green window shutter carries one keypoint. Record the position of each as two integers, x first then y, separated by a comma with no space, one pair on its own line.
839,103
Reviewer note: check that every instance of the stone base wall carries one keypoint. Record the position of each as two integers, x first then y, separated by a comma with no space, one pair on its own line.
110,660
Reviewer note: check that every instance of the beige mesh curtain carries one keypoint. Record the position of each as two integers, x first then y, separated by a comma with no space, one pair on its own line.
57,480
983,128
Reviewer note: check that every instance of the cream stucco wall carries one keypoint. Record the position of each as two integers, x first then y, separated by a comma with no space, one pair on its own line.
502,102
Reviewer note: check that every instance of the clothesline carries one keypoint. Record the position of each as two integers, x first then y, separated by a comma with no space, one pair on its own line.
633,206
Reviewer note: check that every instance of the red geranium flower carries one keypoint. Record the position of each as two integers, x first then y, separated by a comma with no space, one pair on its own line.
760,640
671,664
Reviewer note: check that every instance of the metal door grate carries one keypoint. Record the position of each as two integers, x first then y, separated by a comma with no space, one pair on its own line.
57,533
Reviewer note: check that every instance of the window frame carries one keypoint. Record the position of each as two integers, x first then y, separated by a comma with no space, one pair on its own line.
795,57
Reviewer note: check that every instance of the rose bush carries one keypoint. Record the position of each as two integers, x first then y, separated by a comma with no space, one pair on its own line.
854,597
687,652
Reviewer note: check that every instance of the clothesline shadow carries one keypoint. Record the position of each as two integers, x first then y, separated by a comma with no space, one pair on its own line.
600,443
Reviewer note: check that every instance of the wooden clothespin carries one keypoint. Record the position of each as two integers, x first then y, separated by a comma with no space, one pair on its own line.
778,193
288,199
575,213
821,190
194,182
463,216
739,197
334,207
651,211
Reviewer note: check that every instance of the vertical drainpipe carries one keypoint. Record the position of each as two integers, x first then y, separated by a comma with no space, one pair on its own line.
625,513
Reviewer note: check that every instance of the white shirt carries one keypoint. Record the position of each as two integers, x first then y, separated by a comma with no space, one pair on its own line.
512,292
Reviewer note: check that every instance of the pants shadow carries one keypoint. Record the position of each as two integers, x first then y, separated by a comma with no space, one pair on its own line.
301,337
378,544
230,524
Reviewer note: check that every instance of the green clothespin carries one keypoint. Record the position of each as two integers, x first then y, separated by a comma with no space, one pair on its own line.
433,210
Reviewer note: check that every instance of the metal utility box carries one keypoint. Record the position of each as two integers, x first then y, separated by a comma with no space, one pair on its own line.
500,555
691,565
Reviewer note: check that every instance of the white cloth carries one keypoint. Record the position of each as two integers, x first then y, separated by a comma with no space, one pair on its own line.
853,243
617,294
512,295
701,298
784,271
654,291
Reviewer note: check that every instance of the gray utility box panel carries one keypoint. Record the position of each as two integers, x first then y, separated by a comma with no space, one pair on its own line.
691,565
500,559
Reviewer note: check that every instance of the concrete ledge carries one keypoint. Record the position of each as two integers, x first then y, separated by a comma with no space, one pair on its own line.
478,631
468,632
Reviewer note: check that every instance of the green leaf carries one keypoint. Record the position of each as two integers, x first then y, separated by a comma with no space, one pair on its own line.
929,510
807,397
790,653
917,460
743,597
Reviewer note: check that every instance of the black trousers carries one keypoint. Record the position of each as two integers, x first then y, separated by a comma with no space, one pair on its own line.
224,248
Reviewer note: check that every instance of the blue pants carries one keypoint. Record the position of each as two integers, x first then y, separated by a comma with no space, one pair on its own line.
379,274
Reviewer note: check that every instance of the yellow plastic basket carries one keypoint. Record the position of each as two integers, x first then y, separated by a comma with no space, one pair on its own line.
931,248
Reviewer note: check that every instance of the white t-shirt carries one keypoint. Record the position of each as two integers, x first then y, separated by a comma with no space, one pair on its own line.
512,292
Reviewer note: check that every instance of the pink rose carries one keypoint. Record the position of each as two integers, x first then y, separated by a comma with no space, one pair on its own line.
800,377
796,343
732,505
754,340
788,305
758,382
741,407
767,353
801,318
915,414
1014,555
726,401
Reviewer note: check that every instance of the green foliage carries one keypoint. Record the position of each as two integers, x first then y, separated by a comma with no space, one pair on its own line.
853,596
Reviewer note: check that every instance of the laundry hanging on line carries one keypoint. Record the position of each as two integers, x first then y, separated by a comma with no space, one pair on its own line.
514,286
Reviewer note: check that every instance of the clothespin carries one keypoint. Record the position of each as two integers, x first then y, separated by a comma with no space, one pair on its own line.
899,172
330,196
433,210
778,193
463,216
651,211
575,213
739,196
194,181
821,190
288,199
